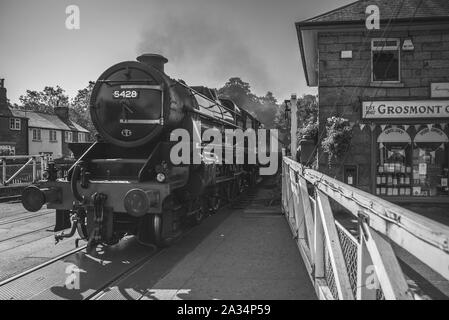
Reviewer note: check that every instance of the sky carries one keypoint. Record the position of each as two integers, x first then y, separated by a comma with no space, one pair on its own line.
205,41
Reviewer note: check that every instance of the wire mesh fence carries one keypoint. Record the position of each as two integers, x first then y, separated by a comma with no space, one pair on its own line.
329,272
349,246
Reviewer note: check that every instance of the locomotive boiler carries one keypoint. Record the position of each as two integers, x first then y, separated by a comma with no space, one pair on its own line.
126,183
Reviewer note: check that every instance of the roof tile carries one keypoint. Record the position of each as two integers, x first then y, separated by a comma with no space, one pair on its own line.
47,121
389,9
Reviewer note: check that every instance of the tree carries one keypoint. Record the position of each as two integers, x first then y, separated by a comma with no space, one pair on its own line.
263,108
282,123
79,109
44,101
307,117
268,110
239,91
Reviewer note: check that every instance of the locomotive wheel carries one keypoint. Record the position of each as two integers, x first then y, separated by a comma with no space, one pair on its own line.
157,229
228,190
242,185
214,201
199,215
169,226
150,230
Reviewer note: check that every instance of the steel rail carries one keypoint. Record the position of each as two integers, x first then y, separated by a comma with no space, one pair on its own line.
40,266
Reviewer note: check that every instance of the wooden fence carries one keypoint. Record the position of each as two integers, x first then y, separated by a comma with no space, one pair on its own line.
26,169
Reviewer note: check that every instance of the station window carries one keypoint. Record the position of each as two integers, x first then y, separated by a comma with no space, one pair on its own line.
14,124
385,60
412,167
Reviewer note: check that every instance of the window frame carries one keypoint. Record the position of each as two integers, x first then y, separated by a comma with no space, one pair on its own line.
51,136
68,136
36,134
15,124
397,48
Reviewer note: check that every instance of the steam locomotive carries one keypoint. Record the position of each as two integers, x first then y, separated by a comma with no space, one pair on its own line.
125,183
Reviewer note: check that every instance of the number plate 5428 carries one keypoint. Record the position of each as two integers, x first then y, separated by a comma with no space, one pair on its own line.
125,94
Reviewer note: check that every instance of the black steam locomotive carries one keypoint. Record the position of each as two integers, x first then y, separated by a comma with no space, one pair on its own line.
125,183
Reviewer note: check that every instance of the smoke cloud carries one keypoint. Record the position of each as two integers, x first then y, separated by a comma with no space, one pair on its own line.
205,49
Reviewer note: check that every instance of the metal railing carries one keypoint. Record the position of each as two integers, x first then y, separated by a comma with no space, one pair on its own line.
22,173
357,263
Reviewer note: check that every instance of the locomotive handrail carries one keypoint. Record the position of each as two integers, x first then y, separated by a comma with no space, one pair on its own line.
213,118
69,172
203,96
342,266
119,160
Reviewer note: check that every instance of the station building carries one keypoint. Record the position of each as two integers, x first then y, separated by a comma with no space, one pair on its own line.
392,84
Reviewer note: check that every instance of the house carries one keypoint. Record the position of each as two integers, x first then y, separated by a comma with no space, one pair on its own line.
392,85
33,133
13,130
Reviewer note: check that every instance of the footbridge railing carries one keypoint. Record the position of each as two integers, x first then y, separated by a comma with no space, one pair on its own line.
357,258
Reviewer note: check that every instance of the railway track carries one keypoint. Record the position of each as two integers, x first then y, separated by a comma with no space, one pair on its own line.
10,198
10,220
26,233
27,284
49,280
98,272
100,292
40,266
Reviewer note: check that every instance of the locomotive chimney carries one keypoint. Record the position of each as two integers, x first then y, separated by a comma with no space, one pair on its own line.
153,60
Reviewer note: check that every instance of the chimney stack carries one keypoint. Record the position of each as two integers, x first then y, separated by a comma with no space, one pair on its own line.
3,98
62,113
153,60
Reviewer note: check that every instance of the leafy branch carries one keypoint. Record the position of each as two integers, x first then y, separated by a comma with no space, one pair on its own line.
338,138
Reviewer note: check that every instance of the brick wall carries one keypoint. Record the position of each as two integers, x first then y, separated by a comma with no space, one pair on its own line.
344,83
19,138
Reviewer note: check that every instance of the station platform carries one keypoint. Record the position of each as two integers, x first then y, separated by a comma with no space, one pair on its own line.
243,252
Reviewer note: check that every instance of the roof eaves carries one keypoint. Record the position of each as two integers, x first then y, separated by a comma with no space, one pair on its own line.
362,21
301,49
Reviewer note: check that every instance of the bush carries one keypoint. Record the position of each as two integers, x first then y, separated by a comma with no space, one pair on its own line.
338,138
309,131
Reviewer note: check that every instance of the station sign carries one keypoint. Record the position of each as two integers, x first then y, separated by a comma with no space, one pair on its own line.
405,109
